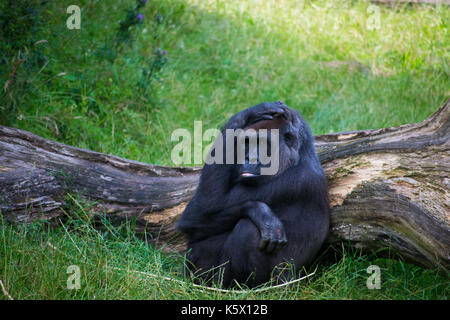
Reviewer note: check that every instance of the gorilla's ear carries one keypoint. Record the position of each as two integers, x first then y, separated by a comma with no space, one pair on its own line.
305,137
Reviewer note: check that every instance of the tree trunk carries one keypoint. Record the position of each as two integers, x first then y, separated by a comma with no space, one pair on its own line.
389,188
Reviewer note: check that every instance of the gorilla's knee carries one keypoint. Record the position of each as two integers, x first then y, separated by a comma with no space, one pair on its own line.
243,238
247,264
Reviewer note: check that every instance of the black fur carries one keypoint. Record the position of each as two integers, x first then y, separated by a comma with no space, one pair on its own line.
243,227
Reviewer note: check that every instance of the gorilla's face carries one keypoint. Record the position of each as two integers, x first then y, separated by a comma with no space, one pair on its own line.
286,152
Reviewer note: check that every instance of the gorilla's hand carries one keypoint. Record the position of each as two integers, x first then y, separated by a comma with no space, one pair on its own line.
263,111
273,236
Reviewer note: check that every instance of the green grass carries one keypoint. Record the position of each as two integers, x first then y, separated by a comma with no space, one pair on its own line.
35,259
224,56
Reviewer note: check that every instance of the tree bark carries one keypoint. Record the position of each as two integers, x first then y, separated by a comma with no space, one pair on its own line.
389,188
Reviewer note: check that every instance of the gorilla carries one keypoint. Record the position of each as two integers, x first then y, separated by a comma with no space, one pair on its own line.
243,226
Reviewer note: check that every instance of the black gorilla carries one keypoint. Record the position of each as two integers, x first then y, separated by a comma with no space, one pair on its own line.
240,225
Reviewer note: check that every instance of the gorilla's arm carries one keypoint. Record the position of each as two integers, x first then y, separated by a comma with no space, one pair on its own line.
215,211
262,111
199,226
304,181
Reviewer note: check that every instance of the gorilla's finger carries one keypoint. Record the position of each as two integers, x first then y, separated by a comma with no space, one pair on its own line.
273,109
271,246
262,244
266,117
283,237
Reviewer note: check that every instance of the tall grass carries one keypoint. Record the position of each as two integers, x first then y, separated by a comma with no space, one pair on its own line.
319,57
225,56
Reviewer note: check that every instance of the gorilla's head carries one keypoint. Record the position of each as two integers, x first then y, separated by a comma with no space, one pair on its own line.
285,146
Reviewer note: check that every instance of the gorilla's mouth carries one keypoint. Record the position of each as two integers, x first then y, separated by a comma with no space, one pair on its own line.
247,174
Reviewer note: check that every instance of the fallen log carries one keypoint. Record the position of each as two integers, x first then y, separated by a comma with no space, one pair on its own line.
396,2
389,188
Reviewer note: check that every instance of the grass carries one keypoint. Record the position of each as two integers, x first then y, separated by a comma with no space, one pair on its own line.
317,56
112,260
